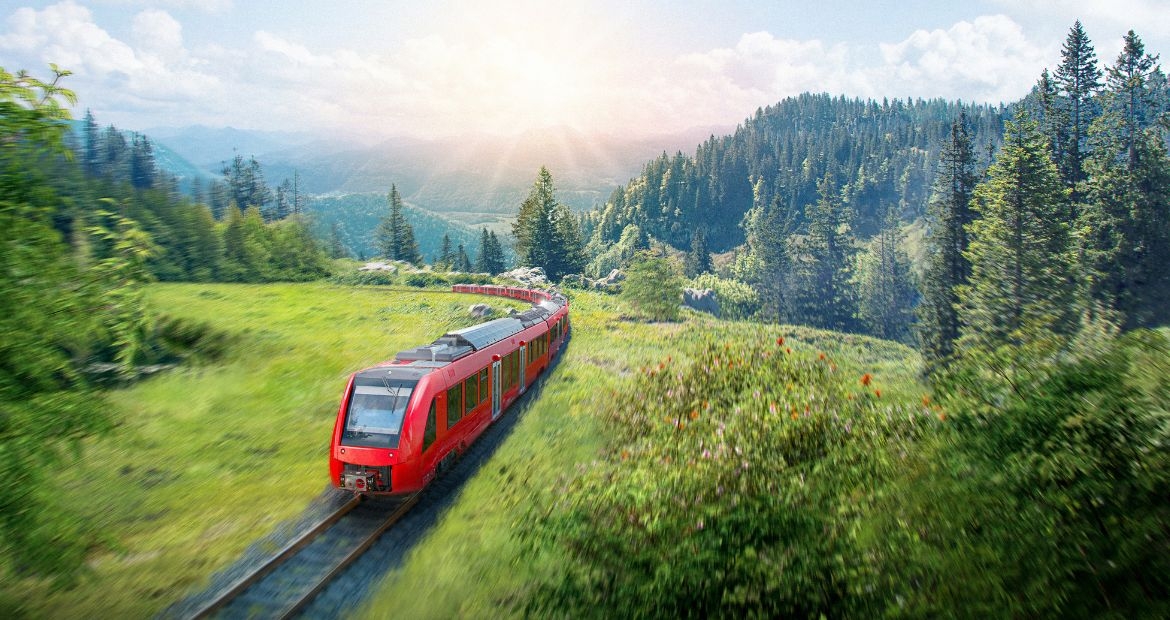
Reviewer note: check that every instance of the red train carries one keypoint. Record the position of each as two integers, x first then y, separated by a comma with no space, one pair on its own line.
404,420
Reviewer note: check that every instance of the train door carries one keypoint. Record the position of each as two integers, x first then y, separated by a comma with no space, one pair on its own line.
496,389
523,366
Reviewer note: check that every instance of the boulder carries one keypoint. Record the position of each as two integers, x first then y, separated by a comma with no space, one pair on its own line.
379,266
481,310
703,300
614,277
527,276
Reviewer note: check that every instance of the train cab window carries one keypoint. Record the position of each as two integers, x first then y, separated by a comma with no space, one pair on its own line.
454,404
431,429
376,408
470,393
484,389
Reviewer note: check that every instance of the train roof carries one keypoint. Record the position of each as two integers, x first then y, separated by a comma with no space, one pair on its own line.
463,342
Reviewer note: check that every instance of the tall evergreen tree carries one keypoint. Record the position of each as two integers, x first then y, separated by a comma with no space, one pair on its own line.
823,296
491,254
1080,78
142,166
446,258
698,260
1018,304
395,236
533,228
336,244
462,261
1129,96
885,289
92,160
948,216
566,253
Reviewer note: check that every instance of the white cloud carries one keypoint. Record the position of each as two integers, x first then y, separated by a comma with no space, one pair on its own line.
989,59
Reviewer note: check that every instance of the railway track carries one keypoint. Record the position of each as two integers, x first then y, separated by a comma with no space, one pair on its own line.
282,586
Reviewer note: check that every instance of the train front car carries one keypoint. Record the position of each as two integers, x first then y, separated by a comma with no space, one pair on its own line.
374,448
401,422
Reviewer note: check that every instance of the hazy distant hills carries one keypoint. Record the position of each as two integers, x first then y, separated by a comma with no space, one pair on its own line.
460,176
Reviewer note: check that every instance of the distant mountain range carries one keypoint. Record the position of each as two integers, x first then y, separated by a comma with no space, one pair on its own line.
458,176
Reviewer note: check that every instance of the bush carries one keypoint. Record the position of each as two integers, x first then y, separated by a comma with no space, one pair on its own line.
736,299
732,487
653,287
1050,503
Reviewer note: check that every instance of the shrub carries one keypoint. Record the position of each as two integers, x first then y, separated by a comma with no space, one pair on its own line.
653,287
732,487
736,299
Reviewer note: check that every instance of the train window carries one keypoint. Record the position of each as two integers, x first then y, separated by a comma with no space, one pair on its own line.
484,389
430,431
454,404
471,393
512,372
375,412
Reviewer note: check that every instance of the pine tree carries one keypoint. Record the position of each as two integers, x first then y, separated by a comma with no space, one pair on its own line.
481,262
491,254
1129,95
533,228
885,290
395,236
1080,78
698,259
949,214
823,297
566,250
92,160
446,259
462,261
1017,307
142,166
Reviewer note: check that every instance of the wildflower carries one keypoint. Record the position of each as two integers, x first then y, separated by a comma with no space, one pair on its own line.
694,414
866,379
772,407
787,350
794,416
942,417
706,454
925,401
625,454
821,356
780,341
877,393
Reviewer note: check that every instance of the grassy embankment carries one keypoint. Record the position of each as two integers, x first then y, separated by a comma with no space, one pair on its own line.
476,562
209,457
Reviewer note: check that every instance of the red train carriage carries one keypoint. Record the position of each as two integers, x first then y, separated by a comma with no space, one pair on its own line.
404,420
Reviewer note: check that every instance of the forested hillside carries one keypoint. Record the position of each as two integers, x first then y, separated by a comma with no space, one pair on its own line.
877,154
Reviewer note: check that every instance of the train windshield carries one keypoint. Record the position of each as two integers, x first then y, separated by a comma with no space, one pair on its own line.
376,410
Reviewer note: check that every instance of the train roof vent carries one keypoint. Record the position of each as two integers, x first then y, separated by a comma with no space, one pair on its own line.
434,353
484,334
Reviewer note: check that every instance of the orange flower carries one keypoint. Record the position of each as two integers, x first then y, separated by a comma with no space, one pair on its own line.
794,416
694,414
780,341
866,378
821,356
925,401
625,454
942,417
787,350
877,393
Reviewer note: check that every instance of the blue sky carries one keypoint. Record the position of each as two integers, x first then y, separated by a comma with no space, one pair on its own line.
381,69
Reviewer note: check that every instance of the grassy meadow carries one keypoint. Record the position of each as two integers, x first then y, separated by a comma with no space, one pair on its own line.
211,456
477,562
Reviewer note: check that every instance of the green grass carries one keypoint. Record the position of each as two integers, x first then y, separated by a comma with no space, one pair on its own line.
210,457
473,564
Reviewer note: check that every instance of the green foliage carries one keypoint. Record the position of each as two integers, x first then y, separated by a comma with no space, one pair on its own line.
1017,308
653,287
395,237
885,290
730,486
619,254
1049,503
51,319
737,301
948,216
546,234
